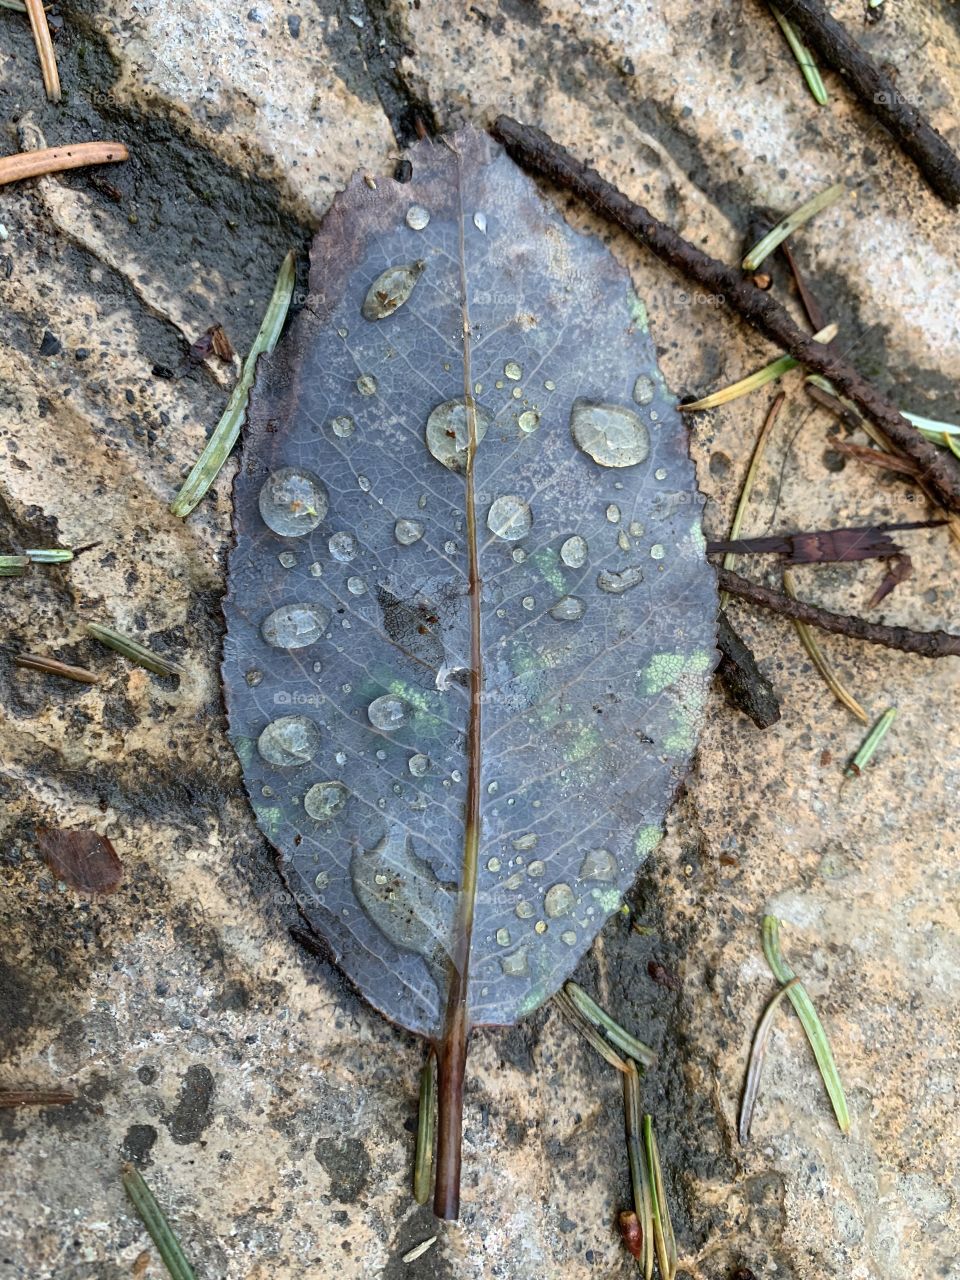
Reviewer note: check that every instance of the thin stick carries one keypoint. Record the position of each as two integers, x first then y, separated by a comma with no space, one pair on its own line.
928,644
624,1041
423,1160
804,57
730,559
538,153
226,432
818,658
36,1097
915,134
152,1217
786,226
133,650
54,667
33,164
44,43
870,744
758,1053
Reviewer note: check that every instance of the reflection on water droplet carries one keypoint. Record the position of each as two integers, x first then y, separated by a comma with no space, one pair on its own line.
324,800
599,864
528,602
316,569
417,217
527,841
356,586
636,529
574,552
388,712
450,548
559,901
253,678
503,937
609,434
661,473
448,432
569,937
287,559
494,864
480,222
550,385
618,583
524,910
529,420
509,517
363,483
515,966
367,384
518,555
390,290
408,531
343,547
657,552
536,868
513,371
613,513
343,426
294,626
418,765
292,502
569,609
643,389
290,740
322,881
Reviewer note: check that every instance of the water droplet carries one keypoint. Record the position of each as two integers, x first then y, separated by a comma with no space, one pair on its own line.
536,868
253,678
661,473
448,432
527,841
569,936
408,532
417,217
456,775
324,800
390,290
540,926
294,626
316,569
363,483
574,552
623,542
341,758
317,667
450,548
599,864
322,881
513,371
609,434
524,910
636,529
643,389
550,385
292,502
343,426
388,713
618,583
418,765
568,609
529,420
517,392
654,416
518,555
509,517
343,547
528,602
480,222
343,332
287,559
494,864
657,552
513,882
290,740
493,788
367,384
559,901
613,513
356,586
503,937
515,966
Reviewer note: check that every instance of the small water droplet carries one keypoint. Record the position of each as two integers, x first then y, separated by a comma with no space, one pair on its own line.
493,788
494,864
363,483
317,667
253,678
536,868
287,559
356,586
509,517
657,552
609,433
480,222
288,741
661,473
390,290
294,626
367,384
418,765
503,937
529,420
540,926
618,583
292,502
636,529
515,966
450,548
569,936
343,426
388,712
456,775
341,758
448,432
599,864
513,371
654,416
559,901
417,217
513,882
528,602
518,555
517,392
524,910
623,542
568,609
643,389
574,552
528,841
613,513
316,570
322,880
324,800
550,385
408,532
343,332
343,547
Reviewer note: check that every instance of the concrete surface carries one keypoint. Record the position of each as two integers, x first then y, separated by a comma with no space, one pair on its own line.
268,1108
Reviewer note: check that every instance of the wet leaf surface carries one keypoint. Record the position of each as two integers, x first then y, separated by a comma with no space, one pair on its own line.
462,732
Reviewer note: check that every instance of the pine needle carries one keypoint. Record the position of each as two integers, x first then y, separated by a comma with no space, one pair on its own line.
768,373
758,1053
730,559
423,1160
803,56
133,650
42,39
818,658
152,1217
786,226
870,744
623,1040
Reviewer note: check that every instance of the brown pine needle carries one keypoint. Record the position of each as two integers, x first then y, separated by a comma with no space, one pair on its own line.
759,448
33,164
44,43
809,642
54,667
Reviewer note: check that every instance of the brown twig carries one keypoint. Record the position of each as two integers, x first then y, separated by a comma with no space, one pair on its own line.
54,667
33,164
36,1097
44,43
928,644
915,134
538,153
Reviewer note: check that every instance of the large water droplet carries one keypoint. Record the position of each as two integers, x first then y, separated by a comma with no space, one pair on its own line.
324,800
559,900
609,433
343,426
288,741
509,517
515,966
536,868
367,384
643,389
613,513
388,712
513,371
417,217
390,290
343,547
618,583
657,552
568,609
574,552
356,586
292,502
418,765
448,432
503,937
524,910
294,626
408,532
524,842
599,864
528,421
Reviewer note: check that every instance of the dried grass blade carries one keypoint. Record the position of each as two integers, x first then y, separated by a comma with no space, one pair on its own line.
819,660
54,667
133,650
758,1053
663,1238
44,42
423,1160
786,226
589,1033
756,458
639,1172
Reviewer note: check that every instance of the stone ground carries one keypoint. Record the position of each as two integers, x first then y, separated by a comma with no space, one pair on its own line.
270,1110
